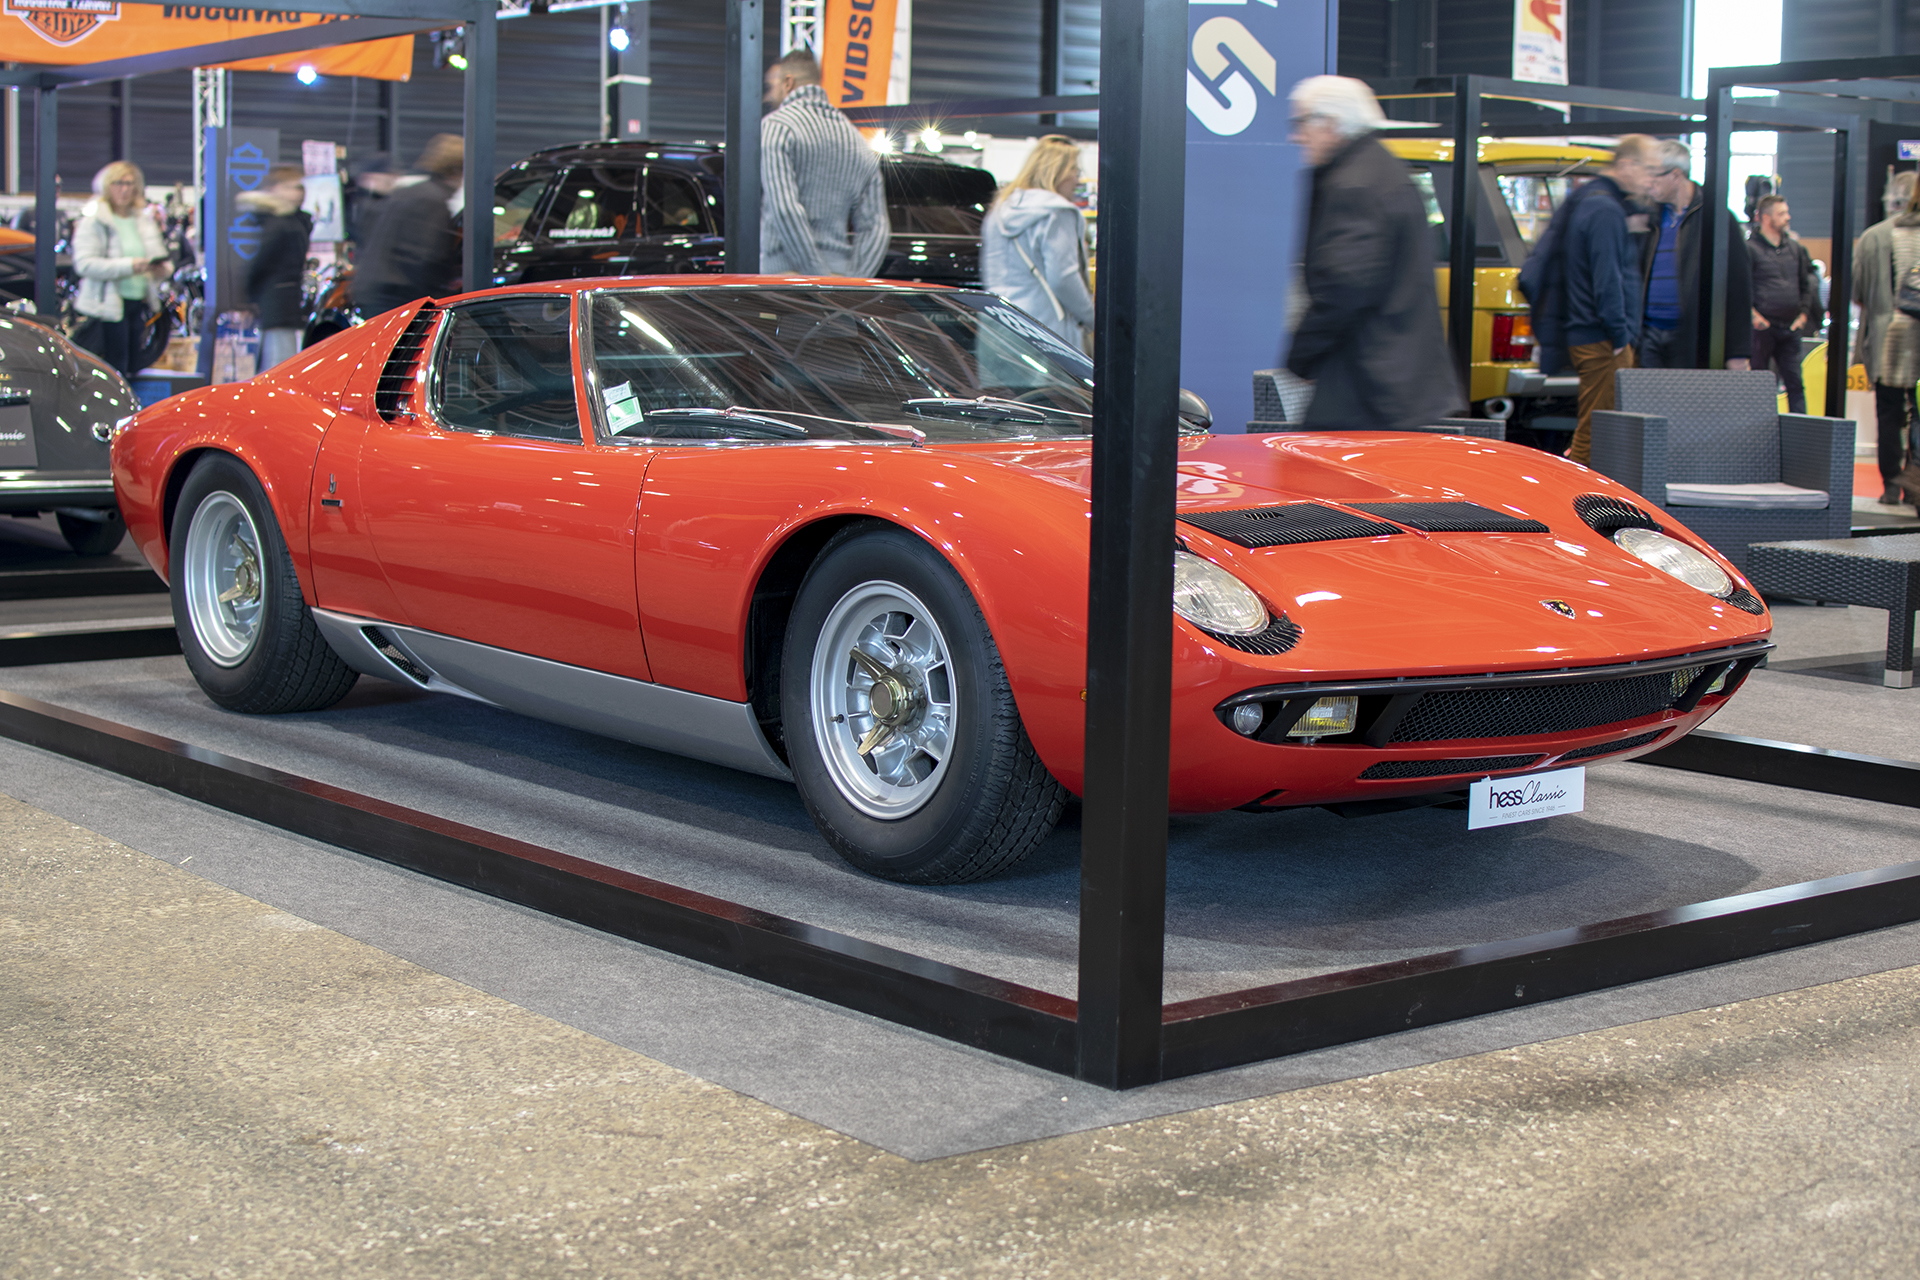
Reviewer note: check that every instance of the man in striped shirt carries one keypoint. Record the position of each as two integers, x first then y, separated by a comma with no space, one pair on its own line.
823,211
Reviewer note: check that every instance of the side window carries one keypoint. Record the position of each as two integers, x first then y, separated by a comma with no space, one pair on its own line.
674,205
505,366
593,202
515,197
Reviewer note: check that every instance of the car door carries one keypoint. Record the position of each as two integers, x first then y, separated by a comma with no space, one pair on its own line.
591,226
491,518
681,231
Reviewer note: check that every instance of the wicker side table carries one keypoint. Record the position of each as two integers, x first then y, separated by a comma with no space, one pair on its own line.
1881,573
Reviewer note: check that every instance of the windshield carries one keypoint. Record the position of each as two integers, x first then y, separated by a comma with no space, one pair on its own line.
834,364
1533,197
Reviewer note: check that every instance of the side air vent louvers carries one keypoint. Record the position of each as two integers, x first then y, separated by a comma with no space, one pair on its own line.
1607,516
1609,748
1388,769
1281,635
1286,525
395,387
1450,517
392,653
1746,601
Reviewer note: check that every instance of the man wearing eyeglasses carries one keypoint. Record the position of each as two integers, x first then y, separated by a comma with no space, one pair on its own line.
1370,335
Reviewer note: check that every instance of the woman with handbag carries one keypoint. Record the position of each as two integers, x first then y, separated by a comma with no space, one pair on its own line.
1033,244
1886,282
118,252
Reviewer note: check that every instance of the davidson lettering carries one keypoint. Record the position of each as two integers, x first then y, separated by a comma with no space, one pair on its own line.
1529,794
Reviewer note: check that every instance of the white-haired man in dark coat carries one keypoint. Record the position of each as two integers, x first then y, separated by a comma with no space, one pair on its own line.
1370,337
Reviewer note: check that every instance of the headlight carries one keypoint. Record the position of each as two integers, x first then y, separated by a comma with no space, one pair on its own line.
1214,600
1672,556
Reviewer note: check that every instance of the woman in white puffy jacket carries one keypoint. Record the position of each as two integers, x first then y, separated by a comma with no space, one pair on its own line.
118,252
1033,244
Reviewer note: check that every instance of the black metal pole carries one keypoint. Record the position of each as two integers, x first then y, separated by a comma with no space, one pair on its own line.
1049,57
1464,227
1840,296
482,85
745,68
1712,298
46,207
1123,843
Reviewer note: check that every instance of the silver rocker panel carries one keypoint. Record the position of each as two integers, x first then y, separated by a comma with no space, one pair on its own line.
650,715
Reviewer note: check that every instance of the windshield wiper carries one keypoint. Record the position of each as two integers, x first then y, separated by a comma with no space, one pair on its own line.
990,409
718,424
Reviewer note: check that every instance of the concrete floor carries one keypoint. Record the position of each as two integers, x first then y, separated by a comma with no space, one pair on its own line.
197,1084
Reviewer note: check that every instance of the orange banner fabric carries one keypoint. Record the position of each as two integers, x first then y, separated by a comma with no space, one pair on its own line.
73,32
857,51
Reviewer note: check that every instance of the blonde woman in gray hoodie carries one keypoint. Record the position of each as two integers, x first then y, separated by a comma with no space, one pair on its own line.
1033,244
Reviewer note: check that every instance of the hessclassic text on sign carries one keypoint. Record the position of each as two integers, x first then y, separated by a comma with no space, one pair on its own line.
1495,803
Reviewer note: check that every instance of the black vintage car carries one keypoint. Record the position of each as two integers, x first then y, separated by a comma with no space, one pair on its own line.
58,407
654,208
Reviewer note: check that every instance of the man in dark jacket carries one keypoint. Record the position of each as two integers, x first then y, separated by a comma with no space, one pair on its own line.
414,250
1786,297
1670,271
1598,271
1370,338
279,264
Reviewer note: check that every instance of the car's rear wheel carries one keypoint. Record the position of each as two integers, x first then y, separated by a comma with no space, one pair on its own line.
244,628
899,723
92,537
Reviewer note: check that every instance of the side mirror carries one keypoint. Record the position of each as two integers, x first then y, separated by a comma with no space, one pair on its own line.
1194,414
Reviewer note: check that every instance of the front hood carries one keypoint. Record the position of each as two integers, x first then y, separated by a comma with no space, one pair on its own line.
1431,603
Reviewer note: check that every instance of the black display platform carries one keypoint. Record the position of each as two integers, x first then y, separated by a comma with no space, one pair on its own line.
1264,910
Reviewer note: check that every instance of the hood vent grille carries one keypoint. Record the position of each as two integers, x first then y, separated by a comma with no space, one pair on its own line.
1450,517
1284,525
396,376
1607,515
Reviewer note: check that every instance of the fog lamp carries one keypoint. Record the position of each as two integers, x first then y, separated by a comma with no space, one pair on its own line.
1326,718
1247,719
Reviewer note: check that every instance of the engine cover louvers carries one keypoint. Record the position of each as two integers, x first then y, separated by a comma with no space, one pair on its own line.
1284,525
1450,517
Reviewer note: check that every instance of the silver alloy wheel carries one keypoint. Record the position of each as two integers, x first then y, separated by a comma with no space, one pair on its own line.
882,694
224,579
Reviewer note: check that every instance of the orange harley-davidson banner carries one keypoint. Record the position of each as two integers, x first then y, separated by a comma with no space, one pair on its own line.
72,32
856,46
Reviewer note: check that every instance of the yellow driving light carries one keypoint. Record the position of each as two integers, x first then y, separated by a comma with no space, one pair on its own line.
1326,718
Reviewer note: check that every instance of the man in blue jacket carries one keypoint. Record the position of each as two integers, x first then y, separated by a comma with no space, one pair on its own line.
1601,280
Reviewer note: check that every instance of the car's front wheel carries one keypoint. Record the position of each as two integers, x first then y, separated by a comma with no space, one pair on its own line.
244,627
899,723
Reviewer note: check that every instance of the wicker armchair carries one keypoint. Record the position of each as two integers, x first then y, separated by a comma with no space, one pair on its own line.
1687,437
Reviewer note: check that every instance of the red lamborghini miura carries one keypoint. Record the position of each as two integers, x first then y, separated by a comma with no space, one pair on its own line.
837,531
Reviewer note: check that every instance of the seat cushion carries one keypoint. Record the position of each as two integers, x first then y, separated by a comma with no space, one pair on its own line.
1747,497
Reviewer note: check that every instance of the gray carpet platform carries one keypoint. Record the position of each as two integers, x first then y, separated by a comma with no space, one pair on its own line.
1253,899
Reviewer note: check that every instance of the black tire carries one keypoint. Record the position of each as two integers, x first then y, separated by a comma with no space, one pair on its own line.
92,537
988,801
153,341
259,653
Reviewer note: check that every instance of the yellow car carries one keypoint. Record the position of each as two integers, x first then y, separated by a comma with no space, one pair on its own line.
1521,184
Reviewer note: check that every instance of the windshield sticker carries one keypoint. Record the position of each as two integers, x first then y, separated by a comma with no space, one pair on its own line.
622,392
624,414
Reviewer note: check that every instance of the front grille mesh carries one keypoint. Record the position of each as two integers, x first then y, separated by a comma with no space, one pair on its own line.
1450,517
1285,525
1281,635
1387,769
1533,709
1609,748
395,387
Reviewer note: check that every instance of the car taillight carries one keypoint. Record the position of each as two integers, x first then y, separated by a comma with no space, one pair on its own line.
1512,337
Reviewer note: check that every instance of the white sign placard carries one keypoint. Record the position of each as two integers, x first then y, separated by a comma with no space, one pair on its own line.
1495,803
1540,41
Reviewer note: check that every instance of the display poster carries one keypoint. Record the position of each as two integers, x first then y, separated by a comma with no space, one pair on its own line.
856,51
1246,192
321,161
239,159
71,32
1540,41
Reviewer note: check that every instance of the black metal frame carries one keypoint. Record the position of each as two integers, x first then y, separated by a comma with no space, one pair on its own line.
359,20
1832,80
1655,113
